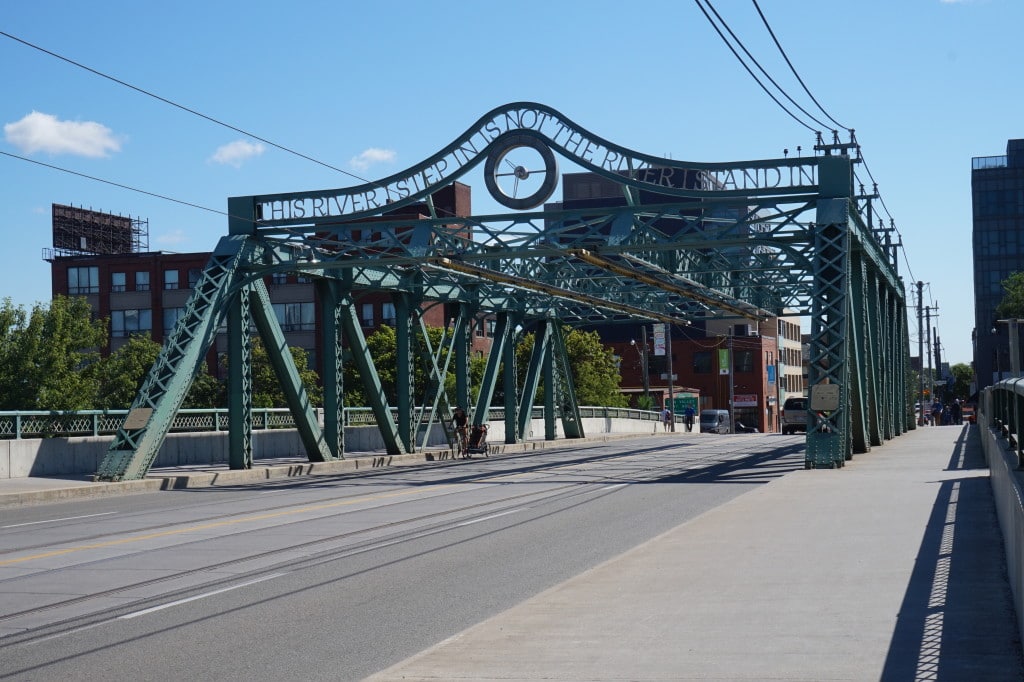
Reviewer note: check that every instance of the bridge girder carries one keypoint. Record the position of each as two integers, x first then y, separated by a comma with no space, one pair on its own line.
687,241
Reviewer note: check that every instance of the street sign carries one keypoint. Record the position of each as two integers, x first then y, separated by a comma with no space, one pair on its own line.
681,402
825,397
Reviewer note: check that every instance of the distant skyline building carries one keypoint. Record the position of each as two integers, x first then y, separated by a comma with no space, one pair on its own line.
997,193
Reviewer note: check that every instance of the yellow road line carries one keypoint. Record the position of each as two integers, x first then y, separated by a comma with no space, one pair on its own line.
215,524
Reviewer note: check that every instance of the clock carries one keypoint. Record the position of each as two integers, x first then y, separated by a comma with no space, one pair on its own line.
520,171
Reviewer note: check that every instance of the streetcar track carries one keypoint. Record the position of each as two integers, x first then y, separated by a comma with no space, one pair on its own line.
549,495
261,555
292,484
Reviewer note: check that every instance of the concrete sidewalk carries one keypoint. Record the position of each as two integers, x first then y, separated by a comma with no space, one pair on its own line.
891,568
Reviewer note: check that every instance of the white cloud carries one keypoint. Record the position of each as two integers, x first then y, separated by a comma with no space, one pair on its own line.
237,152
371,156
172,238
45,132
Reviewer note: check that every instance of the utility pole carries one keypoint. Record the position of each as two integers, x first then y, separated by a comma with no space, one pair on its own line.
928,331
920,355
936,345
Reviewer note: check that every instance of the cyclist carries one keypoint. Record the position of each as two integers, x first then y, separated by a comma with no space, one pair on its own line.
460,420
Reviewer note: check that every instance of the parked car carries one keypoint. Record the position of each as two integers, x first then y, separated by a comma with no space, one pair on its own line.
743,428
714,421
794,415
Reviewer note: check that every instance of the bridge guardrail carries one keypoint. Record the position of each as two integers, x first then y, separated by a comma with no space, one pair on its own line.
65,424
1001,421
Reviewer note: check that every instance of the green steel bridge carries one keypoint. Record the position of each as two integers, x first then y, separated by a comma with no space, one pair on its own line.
685,243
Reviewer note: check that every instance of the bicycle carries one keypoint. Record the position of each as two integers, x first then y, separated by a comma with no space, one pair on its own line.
461,442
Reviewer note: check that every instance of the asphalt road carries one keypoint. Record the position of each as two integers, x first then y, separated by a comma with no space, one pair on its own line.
334,578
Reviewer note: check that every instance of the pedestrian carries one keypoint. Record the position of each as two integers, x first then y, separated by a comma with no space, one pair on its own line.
936,413
666,418
957,412
689,414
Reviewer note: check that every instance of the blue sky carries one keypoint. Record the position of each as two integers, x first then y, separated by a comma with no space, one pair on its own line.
375,87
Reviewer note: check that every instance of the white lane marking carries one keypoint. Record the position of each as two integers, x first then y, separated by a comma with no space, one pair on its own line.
613,487
68,632
197,597
66,518
487,518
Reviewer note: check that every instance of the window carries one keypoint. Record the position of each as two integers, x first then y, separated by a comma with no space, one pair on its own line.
744,360
193,277
128,322
367,315
702,362
295,317
171,317
117,282
170,279
492,324
142,281
279,278
387,314
83,281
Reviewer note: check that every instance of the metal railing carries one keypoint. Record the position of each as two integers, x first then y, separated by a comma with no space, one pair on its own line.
46,424
1002,407
986,162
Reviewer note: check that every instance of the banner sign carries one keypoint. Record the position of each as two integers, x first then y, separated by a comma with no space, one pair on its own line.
723,360
659,338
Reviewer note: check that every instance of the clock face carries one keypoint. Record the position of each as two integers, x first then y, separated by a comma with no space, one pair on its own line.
520,171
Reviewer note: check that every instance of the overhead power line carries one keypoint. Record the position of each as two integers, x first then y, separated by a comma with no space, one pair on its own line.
114,184
758,65
709,6
793,69
182,107
750,71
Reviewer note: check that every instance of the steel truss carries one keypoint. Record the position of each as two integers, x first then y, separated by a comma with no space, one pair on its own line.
686,243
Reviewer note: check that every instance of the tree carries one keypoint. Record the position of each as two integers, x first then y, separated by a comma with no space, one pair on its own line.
383,347
595,373
48,356
266,389
962,377
1012,305
120,375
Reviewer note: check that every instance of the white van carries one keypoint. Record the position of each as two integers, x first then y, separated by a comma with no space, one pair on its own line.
715,421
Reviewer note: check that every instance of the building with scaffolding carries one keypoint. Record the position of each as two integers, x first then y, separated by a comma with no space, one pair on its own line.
106,259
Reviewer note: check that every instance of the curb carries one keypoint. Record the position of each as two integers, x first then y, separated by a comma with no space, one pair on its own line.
229,477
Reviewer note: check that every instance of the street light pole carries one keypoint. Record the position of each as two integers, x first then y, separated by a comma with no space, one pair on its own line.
642,351
643,355
732,391
671,403
1014,347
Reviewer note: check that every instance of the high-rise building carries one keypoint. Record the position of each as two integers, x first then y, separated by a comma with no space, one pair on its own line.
997,191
